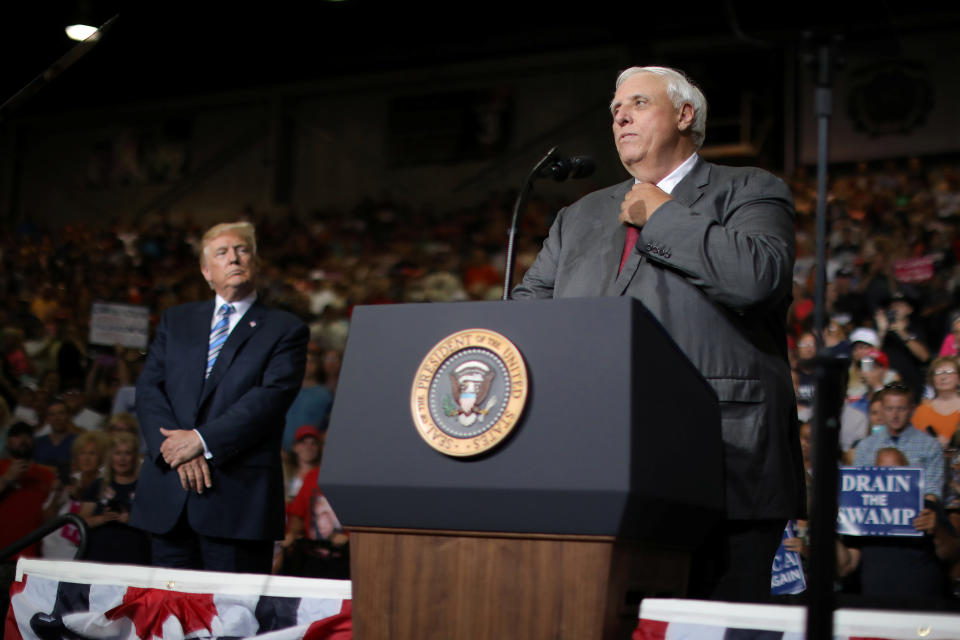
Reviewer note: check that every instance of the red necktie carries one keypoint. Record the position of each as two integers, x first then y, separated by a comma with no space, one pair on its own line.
633,233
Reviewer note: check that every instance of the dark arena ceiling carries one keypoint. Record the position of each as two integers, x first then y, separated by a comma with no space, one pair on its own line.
157,50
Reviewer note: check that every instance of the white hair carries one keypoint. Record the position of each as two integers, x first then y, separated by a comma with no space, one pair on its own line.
680,90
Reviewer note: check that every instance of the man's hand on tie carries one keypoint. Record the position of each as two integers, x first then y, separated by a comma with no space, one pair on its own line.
640,202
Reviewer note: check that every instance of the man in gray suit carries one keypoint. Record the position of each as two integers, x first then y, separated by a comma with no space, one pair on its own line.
709,250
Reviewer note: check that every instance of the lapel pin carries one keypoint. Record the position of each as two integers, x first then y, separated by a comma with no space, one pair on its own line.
253,323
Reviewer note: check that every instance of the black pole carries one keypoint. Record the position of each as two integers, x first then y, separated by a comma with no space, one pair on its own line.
828,397
41,532
64,62
511,234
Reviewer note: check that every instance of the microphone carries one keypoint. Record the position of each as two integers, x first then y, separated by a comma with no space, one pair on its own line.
556,166
560,167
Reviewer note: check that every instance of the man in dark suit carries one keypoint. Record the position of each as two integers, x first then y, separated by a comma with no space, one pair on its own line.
211,401
709,250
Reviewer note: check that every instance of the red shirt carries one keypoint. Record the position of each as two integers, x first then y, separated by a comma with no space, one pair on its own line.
21,504
311,506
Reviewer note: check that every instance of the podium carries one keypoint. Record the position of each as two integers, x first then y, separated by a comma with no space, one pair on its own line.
611,476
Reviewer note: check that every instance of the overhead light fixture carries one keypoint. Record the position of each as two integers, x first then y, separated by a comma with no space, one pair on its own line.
81,32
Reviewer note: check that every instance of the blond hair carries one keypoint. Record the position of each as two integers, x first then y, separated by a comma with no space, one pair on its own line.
124,418
117,439
939,362
894,453
243,229
97,438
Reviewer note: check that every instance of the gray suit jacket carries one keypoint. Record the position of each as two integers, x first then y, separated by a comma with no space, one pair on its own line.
715,266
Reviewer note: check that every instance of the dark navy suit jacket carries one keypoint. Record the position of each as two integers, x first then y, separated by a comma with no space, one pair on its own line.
239,410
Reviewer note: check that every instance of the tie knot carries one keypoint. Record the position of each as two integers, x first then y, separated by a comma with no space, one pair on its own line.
226,310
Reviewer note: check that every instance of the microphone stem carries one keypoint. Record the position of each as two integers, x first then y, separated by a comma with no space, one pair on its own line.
511,234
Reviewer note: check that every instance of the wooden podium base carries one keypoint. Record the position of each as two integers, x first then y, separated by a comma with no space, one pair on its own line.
419,585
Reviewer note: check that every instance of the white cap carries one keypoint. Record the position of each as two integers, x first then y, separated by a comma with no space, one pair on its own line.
863,334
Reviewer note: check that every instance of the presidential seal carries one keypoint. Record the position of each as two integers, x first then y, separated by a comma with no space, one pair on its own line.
469,392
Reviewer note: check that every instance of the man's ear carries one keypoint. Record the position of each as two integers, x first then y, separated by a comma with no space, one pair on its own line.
685,116
206,275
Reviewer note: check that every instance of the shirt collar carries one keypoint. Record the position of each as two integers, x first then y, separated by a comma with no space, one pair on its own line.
239,306
673,179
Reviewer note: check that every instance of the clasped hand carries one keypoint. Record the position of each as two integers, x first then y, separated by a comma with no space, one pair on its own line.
183,450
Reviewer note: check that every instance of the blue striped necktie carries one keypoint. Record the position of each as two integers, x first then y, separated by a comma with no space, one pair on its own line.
218,335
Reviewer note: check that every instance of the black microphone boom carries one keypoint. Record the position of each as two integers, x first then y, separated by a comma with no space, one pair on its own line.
560,168
554,165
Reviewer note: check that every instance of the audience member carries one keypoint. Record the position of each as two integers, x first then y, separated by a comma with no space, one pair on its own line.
70,355
940,415
801,543
903,341
332,359
129,364
128,423
80,414
951,342
847,301
85,479
805,380
111,538
315,544
920,449
312,404
902,566
24,488
868,375
103,383
55,442
835,339
856,425
305,457
951,505
49,384
863,339
24,410
123,422
14,353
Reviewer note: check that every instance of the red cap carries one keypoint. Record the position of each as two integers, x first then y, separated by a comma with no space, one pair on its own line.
305,431
878,356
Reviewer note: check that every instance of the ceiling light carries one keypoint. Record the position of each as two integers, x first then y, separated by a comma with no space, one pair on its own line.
81,32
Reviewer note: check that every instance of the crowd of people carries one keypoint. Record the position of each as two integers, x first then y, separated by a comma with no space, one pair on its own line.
71,441
892,310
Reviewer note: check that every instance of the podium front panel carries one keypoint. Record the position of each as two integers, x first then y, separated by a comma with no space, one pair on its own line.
619,436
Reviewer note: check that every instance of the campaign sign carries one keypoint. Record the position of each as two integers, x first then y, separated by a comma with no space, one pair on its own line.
124,324
787,575
879,501
913,269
